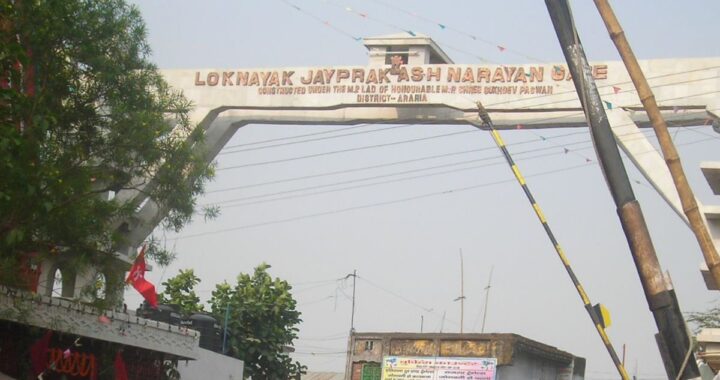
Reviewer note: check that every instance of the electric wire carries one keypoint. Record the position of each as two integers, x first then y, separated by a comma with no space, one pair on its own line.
345,150
284,138
316,139
564,147
370,205
406,299
379,204
314,155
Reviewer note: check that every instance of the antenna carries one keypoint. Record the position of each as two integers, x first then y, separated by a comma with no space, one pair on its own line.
352,316
487,296
462,293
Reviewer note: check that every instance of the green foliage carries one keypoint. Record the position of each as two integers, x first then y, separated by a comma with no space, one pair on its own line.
84,114
180,290
262,322
705,319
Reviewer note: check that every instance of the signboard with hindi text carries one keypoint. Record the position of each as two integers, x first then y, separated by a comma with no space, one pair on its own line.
437,368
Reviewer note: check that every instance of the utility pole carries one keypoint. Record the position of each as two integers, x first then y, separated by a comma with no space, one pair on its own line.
351,337
672,159
422,321
487,295
672,338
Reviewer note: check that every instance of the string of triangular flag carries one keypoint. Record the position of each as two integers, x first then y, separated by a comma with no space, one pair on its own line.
323,21
445,26
366,16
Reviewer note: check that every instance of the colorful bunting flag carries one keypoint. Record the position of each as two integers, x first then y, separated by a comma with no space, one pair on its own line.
410,32
588,160
566,150
608,104
501,48
441,26
519,126
616,89
675,109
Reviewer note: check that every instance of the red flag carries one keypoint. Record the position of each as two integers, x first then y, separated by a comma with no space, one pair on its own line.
120,369
38,353
136,278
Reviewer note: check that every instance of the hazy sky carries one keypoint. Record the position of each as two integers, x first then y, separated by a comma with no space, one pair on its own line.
405,244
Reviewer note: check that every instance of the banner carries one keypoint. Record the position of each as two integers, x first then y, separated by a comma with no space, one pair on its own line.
438,368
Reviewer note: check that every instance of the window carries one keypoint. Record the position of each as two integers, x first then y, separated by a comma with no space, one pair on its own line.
100,286
56,289
371,371
369,345
400,51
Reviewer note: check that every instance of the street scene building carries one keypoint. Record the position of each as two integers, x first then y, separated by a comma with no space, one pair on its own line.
507,356
61,323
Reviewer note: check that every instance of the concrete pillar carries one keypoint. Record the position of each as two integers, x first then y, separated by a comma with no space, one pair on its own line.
645,157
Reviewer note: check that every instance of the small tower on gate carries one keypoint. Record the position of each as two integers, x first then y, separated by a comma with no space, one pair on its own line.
415,49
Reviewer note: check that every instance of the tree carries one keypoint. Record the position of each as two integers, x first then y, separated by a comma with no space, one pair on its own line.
83,115
705,319
262,323
180,290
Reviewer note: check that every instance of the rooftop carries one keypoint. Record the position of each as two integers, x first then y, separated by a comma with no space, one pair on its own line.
437,55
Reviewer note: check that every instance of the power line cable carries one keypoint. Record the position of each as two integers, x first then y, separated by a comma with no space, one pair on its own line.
564,147
443,155
297,136
423,176
385,203
370,205
315,139
346,150
366,179
539,121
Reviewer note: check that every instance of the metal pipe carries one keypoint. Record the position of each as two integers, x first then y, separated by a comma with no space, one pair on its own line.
672,159
661,301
